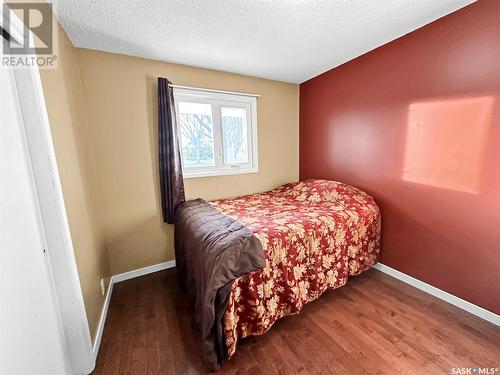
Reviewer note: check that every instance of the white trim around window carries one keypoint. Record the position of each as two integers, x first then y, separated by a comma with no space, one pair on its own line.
217,156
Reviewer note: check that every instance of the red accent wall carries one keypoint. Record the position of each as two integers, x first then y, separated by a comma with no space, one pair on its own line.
416,123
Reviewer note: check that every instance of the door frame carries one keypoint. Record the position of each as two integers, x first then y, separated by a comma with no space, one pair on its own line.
60,253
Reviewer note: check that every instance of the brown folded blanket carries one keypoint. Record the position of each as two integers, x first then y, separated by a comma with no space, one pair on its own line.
211,251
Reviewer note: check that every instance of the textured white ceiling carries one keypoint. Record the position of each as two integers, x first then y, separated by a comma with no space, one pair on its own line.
284,40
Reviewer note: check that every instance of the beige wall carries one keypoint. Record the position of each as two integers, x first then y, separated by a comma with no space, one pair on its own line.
120,92
103,116
68,122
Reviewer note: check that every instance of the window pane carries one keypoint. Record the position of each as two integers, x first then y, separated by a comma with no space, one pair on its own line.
197,135
234,135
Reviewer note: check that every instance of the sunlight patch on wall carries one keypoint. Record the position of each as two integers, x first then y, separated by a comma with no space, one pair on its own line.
445,141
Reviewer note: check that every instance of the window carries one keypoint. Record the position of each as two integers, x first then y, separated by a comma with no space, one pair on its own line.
218,132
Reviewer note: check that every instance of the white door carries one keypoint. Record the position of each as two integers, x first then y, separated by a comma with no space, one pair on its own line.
31,334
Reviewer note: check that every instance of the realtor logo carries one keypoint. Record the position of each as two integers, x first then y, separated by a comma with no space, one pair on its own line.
21,50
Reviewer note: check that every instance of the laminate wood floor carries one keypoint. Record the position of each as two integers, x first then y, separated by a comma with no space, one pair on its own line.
373,325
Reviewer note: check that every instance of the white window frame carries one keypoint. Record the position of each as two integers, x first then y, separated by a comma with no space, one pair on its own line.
218,99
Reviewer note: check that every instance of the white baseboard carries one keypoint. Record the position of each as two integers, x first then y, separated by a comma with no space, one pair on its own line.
441,294
116,279
102,320
142,271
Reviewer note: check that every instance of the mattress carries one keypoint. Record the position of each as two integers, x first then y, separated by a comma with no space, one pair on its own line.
314,234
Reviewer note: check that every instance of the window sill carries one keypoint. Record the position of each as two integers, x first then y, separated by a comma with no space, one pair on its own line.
223,172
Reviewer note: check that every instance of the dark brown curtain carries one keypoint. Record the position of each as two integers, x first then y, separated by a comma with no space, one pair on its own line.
171,182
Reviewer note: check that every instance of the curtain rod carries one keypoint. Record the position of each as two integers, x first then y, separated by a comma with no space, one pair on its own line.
218,91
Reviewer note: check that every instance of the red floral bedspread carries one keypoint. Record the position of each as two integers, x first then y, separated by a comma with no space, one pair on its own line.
315,234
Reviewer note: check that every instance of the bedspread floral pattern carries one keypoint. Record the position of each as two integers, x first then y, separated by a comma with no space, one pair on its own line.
315,234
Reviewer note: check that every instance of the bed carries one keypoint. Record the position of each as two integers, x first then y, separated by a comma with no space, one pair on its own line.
313,235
